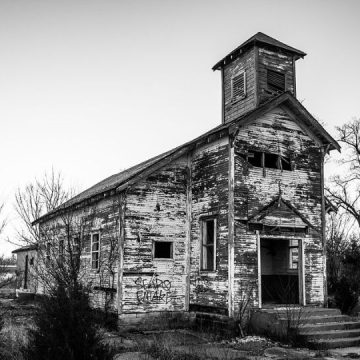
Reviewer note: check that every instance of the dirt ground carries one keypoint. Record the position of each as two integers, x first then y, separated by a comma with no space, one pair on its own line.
181,344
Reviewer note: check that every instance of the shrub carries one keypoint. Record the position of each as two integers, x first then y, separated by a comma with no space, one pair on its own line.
65,328
347,286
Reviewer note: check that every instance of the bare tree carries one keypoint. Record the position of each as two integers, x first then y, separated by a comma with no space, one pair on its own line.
36,199
344,189
338,238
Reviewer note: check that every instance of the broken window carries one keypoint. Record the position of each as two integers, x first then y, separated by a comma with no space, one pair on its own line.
95,251
293,254
208,245
272,161
275,81
238,86
163,250
267,160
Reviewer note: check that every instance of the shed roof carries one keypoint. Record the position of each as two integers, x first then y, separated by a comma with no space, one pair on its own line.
260,39
24,248
122,180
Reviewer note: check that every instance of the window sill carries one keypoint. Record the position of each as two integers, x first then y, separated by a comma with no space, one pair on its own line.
163,260
208,272
234,101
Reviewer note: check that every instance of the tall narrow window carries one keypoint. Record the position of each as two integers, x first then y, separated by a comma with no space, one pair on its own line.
61,250
95,251
48,249
208,245
238,86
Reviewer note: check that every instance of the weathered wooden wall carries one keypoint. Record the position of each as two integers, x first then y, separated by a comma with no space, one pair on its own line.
155,211
244,63
278,133
210,198
280,62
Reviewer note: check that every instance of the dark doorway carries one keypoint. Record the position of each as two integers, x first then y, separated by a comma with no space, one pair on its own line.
279,271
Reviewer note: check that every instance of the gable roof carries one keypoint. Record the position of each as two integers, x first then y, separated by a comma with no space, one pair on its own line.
260,39
122,180
280,208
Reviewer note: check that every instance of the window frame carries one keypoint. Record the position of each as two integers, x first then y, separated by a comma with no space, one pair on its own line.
171,242
203,221
292,247
94,252
235,98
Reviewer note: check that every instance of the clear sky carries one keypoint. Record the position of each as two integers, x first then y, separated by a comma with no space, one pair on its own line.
91,87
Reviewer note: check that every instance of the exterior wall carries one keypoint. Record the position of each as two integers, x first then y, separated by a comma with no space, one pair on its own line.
210,167
279,62
103,218
276,132
156,211
246,62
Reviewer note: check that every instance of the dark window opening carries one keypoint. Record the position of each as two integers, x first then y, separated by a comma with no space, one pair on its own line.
208,245
238,86
272,161
275,81
285,163
255,158
267,160
163,250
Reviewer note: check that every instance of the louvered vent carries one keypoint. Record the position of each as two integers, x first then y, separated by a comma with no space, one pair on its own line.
276,81
238,86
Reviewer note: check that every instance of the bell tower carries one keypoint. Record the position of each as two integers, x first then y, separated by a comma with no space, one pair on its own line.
256,71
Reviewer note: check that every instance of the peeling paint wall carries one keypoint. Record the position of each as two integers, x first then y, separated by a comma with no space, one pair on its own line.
155,211
210,198
244,63
277,132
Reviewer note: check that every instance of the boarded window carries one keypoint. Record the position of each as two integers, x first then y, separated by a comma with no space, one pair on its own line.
208,245
238,86
163,250
95,251
275,81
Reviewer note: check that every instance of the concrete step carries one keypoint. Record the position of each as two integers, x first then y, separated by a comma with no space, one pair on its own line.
345,325
334,343
331,334
317,319
304,311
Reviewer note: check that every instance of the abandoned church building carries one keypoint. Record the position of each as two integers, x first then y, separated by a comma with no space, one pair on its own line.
238,211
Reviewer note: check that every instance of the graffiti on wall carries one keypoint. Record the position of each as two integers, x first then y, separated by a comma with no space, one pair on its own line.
153,290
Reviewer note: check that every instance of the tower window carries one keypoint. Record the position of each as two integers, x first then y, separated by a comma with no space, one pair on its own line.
275,81
238,86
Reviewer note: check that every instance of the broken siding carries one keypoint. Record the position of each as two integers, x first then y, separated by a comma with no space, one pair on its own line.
244,63
210,198
277,133
155,211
